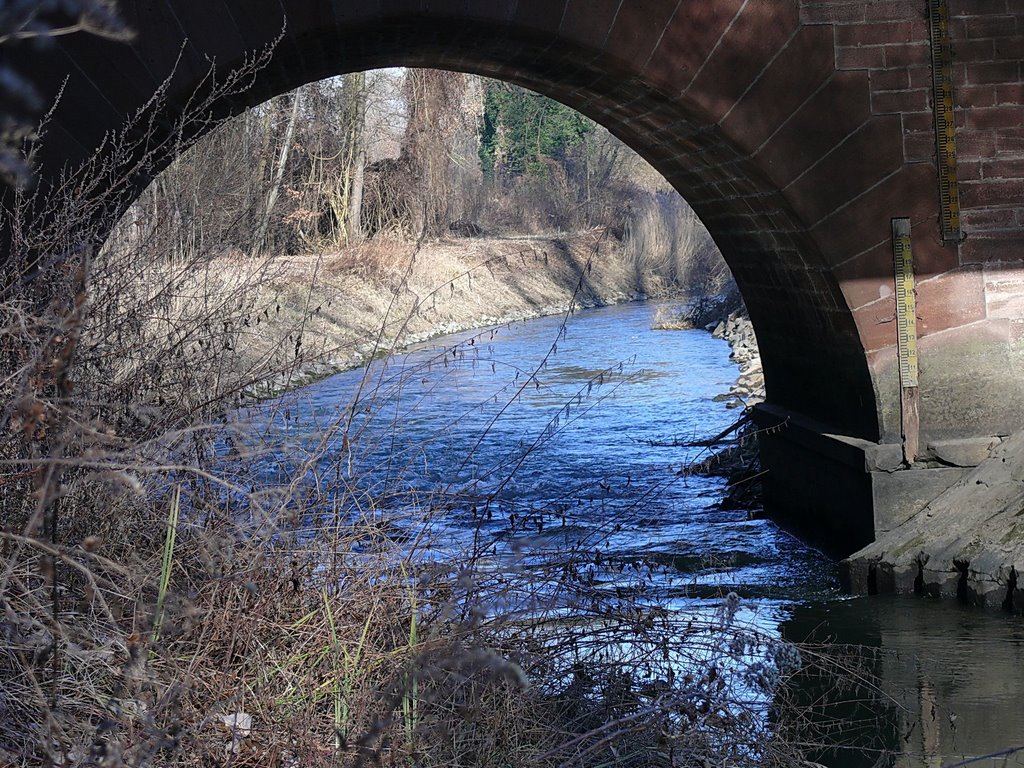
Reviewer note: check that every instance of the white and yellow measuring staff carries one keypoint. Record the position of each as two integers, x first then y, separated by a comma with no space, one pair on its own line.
906,337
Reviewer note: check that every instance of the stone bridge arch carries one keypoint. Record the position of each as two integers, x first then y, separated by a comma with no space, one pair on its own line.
797,129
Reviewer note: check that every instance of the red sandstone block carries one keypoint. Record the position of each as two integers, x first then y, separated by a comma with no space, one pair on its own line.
866,157
760,30
919,147
1004,275
907,54
968,8
861,57
995,219
988,26
959,74
918,121
500,10
957,29
889,102
975,50
796,73
84,97
639,26
1010,141
1003,116
912,192
163,53
831,13
209,26
890,79
1010,48
970,96
1005,168
1008,308
882,361
931,256
1009,93
1004,290
689,37
893,10
992,192
878,34
951,300
543,16
867,277
994,72
975,144
969,170
920,77
815,128
129,84
992,247
589,21
876,324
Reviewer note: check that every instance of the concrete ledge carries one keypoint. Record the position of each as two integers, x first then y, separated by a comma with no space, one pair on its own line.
851,451
969,452
898,496
968,543
839,491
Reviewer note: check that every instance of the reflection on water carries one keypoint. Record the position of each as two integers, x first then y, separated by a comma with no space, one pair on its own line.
535,437
954,674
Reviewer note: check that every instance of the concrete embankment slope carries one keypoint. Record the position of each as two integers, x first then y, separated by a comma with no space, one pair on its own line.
967,543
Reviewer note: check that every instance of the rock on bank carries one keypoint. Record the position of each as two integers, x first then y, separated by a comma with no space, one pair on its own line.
739,332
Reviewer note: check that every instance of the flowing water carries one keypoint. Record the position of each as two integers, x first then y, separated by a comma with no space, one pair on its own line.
551,433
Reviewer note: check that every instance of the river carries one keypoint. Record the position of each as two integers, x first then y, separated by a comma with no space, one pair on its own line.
549,433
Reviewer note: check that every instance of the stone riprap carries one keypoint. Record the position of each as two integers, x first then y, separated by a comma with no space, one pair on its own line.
739,332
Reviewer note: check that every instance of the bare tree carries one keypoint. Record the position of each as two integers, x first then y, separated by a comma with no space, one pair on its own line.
355,105
260,241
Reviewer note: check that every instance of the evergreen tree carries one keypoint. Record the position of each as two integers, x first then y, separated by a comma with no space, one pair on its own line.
522,130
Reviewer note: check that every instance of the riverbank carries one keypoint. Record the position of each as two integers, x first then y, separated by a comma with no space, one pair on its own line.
343,309
726,318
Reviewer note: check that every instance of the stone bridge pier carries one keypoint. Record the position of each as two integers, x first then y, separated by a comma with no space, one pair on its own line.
797,129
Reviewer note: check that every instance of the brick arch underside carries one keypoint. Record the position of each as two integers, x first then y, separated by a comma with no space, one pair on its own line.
813,357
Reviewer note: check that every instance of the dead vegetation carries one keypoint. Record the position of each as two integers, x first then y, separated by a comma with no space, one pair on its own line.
173,593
